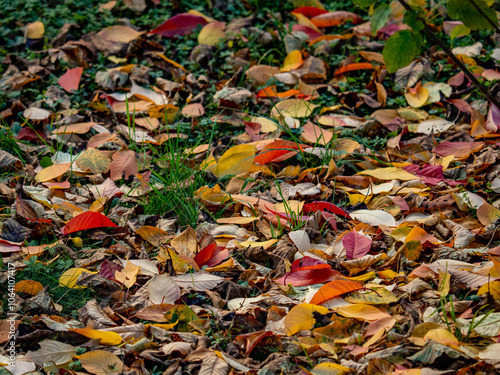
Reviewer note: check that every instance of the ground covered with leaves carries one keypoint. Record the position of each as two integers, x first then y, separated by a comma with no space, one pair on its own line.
229,187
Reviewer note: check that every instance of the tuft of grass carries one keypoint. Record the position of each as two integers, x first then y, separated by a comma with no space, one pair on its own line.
174,186
48,273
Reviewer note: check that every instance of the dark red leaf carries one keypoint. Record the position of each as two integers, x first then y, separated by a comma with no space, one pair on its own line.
108,269
87,220
309,12
28,134
325,206
179,25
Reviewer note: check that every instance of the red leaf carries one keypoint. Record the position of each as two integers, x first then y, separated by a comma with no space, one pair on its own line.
179,25
325,206
356,245
335,18
352,67
276,152
307,277
87,220
28,134
252,339
211,255
70,80
307,263
334,289
311,33
309,12
430,174
330,218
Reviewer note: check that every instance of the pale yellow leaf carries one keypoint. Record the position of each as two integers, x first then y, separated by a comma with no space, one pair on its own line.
100,362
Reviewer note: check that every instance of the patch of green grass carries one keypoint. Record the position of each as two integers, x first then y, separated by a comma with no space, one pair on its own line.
48,275
174,185
8,142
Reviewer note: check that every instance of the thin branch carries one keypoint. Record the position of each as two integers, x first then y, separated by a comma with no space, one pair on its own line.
485,16
488,95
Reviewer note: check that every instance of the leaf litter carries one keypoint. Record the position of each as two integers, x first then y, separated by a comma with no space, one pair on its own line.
231,193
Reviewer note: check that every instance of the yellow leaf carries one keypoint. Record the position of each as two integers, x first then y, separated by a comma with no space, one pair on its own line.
236,160
52,172
181,263
444,283
195,12
155,236
487,213
442,336
35,30
297,108
359,198
266,244
70,277
237,220
303,20
128,275
100,362
301,317
212,33
106,338
390,173
292,61
328,368
417,96
493,288
362,312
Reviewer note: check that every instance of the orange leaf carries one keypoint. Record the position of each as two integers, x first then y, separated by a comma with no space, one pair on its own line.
334,289
270,92
418,234
335,18
70,80
28,286
352,67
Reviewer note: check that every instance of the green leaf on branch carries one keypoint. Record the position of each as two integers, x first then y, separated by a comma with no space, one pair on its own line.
459,30
473,16
380,17
411,19
401,49
363,3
